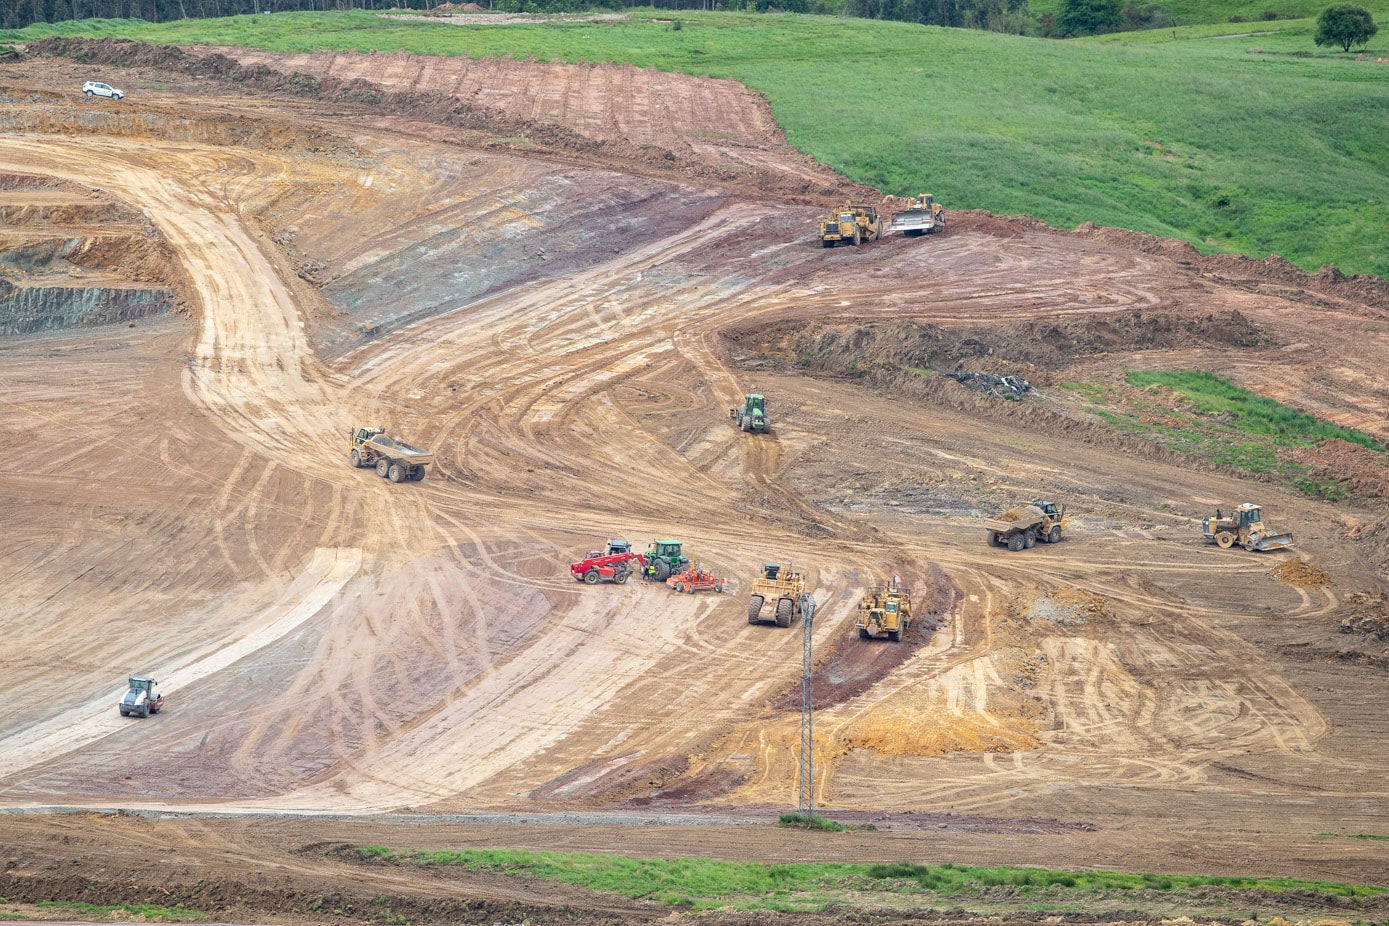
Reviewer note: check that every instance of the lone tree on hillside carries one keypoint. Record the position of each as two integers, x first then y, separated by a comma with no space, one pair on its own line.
1089,17
1345,24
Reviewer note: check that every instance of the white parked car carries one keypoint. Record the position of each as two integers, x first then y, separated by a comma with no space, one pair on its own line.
97,88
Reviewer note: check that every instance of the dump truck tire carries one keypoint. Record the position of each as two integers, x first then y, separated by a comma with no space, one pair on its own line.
396,473
858,238
1029,538
755,609
1054,535
784,612
592,577
356,460
1225,540
662,570
383,466
417,476
1016,542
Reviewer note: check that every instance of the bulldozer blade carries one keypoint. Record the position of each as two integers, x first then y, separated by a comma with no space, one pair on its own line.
1274,542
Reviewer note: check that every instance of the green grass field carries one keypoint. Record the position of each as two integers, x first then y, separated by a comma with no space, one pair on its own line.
703,884
1185,133
1221,422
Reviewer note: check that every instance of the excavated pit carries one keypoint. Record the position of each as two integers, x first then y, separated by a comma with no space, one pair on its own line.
567,338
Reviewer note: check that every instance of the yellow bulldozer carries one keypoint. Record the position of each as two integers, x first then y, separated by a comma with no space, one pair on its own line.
782,585
1245,526
851,222
884,611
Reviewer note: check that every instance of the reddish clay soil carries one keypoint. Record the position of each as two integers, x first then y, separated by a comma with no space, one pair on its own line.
565,327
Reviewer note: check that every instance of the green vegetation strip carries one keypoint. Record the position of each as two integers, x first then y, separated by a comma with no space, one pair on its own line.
145,911
1255,144
1248,411
1223,422
711,883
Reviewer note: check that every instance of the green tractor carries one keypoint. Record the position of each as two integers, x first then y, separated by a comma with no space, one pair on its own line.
664,558
752,414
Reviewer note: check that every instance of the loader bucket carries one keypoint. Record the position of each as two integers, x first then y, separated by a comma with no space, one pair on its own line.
1274,542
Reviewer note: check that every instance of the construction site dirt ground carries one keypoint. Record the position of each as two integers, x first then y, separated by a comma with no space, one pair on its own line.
350,661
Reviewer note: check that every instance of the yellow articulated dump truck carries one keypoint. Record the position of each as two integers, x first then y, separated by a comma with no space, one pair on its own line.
393,459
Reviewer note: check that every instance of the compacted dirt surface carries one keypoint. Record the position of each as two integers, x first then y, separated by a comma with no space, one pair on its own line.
562,304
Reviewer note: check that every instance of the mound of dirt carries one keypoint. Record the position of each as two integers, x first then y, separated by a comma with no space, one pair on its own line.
1300,574
1362,471
932,729
1030,346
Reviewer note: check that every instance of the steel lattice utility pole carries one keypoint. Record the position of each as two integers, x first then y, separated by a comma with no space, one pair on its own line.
807,784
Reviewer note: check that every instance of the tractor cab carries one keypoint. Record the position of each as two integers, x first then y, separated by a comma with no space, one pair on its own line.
619,546
1250,514
665,549
1047,508
770,570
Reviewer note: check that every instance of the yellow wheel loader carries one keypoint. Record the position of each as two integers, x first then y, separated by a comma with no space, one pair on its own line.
1245,526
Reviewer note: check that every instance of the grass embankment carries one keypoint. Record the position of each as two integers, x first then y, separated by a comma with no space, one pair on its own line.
1214,418
1174,132
711,883
124,912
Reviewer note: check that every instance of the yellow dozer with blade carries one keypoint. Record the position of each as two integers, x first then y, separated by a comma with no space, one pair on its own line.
1245,527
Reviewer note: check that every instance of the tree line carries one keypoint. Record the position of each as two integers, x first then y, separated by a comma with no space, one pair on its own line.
1344,24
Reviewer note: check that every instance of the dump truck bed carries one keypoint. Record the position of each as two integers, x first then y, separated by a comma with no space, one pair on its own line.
1015,519
398,449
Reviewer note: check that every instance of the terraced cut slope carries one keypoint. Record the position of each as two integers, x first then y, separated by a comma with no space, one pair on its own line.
358,663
